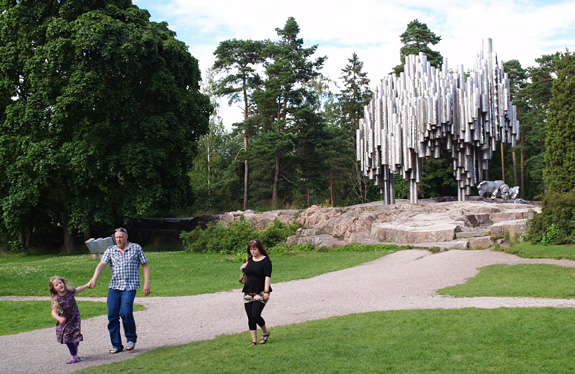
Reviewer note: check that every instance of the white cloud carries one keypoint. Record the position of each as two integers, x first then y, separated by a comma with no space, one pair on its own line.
520,29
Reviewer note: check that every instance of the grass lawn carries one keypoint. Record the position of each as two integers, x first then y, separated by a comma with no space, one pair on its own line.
524,280
503,340
171,273
415,341
528,250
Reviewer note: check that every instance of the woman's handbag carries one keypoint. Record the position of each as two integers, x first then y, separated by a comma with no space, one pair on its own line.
243,278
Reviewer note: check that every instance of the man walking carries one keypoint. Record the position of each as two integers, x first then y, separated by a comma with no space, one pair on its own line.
125,259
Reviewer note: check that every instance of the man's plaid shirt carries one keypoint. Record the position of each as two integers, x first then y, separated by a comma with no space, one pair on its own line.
125,266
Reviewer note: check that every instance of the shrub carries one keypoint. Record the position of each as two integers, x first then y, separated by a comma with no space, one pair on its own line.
556,222
276,233
233,237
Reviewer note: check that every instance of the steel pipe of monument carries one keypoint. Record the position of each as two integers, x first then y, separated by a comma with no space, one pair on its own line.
427,112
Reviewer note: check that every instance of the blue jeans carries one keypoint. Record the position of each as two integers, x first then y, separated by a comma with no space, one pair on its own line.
121,305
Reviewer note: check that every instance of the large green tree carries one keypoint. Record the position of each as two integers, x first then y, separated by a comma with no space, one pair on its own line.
518,82
100,111
560,140
556,222
416,39
347,184
355,93
531,94
287,111
239,60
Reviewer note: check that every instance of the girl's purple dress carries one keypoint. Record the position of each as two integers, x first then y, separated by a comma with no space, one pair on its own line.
70,332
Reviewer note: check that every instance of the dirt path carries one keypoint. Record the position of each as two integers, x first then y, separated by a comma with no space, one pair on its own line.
403,280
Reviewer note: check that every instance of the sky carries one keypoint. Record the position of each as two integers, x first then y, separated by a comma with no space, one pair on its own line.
520,29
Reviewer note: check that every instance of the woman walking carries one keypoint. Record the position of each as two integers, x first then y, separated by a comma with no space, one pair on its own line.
258,268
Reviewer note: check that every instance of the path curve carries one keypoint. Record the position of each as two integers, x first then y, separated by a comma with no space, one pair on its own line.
405,279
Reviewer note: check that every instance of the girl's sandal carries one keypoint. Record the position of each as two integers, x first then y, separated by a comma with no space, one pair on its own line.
264,339
252,344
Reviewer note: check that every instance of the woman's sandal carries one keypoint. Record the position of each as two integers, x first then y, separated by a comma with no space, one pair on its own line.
265,338
130,346
116,350
252,344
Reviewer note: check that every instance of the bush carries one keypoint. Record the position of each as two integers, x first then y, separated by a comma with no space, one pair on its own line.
233,237
556,222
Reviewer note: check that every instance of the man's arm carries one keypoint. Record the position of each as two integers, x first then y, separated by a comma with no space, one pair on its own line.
101,266
146,269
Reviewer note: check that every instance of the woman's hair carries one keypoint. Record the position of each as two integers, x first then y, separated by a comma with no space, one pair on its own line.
53,292
257,243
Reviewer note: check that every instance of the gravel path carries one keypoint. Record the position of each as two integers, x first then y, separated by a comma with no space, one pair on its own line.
403,280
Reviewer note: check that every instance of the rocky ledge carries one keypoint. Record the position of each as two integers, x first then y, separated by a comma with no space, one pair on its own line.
476,223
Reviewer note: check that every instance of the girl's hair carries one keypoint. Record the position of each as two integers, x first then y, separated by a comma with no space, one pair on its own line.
53,292
257,243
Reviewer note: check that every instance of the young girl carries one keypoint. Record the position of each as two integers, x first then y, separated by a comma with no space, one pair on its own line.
65,311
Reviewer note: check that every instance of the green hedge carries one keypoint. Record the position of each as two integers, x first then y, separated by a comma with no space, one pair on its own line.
556,222
233,237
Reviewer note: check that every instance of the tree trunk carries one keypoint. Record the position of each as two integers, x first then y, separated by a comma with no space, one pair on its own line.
522,173
246,165
87,234
276,183
246,174
502,163
331,186
69,245
24,237
515,181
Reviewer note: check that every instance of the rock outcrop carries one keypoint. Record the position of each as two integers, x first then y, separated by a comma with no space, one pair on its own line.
477,223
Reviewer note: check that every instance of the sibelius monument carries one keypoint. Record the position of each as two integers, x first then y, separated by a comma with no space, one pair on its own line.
425,111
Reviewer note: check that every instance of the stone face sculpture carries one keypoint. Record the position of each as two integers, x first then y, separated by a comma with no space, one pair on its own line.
496,189
426,112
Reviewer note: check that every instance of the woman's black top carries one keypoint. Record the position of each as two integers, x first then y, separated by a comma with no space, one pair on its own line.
257,271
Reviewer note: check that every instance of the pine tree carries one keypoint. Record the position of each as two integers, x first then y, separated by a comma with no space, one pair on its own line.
355,94
346,180
560,140
240,60
290,124
416,39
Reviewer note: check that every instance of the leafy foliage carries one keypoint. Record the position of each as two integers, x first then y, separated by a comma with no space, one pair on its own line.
288,113
233,237
239,59
556,222
560,140
216,172
531,93
437,179
416,39
347,183
100,110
